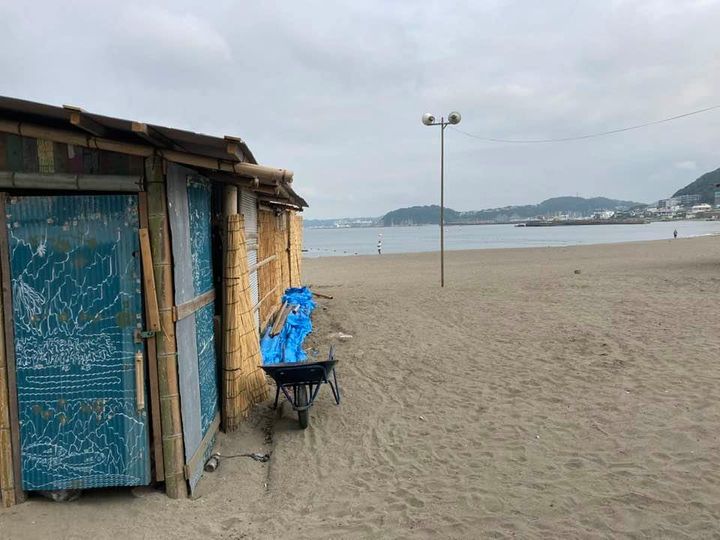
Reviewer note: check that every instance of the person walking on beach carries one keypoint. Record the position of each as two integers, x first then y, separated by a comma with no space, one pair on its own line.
675,233
379,244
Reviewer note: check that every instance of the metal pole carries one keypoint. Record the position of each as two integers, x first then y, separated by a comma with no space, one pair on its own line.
442,202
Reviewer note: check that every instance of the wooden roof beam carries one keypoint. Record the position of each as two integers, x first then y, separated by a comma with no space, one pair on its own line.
266,175
233,148
153,136
84,122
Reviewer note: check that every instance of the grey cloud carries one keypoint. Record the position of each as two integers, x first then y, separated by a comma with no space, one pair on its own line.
335,90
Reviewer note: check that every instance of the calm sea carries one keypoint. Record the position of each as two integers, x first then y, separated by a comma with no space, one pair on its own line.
333,242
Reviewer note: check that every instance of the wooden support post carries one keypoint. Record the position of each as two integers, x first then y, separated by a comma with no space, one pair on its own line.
153,313
11,483
288,249
151,344
7,474
231,203
171,420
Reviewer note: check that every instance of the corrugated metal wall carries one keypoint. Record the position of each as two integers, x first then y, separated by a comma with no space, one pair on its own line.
249,210
189,201
77,302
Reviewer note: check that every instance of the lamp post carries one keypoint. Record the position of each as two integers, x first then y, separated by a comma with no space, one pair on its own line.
429,120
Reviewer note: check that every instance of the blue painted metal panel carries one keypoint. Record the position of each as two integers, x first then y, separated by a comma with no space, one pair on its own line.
207,366
190,203
76,304
199,209
199,196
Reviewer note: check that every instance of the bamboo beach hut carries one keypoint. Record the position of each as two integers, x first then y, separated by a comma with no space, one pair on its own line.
138,264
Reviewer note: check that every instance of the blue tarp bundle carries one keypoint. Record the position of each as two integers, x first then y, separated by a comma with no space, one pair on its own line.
287,345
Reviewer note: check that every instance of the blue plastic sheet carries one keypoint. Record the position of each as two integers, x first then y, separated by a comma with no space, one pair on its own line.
287,346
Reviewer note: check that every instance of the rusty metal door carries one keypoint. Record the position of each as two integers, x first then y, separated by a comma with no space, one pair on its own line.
77,305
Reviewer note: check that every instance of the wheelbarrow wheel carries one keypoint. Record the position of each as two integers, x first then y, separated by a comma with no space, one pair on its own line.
301,400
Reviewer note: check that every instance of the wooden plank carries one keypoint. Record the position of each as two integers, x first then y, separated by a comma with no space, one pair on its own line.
188,308
20,495
257,306
84,122
168,378
153,388
269,318
266,174
280,322
262,263
7,475
199,454
149,281
321,295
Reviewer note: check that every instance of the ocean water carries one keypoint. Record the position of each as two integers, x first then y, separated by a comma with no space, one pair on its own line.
339,242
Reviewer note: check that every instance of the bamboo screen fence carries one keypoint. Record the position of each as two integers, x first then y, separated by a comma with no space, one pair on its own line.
295,246
269,275
280,235
244,381
281,247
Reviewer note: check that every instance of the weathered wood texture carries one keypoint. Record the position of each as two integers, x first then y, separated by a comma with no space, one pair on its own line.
172,437
153,313
153,386
244,381
7,474
10,401
30,131
28,154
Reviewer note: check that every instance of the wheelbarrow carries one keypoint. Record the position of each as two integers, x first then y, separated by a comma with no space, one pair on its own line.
301,382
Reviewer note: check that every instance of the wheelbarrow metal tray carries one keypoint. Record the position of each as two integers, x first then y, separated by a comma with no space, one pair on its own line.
300,382
289,373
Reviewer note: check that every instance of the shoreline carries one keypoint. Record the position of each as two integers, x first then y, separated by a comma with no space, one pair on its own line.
503,249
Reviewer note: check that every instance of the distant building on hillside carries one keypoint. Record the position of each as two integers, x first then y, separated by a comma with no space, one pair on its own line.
701,208
668,203
689,200
681,200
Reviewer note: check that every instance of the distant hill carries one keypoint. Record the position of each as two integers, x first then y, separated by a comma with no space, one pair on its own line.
417,215
704,186
578,206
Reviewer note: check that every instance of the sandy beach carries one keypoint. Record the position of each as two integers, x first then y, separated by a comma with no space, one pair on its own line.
543,393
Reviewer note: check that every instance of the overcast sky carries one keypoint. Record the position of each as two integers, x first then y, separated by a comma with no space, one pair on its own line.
335,90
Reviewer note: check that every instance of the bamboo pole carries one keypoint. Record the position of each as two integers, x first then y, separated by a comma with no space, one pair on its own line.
295,248
171,420
7,475
231,197
280,234
288,248
269,276
268,174
8,376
